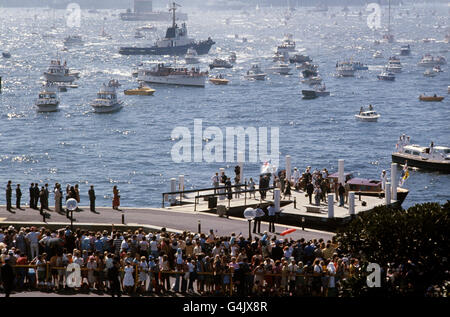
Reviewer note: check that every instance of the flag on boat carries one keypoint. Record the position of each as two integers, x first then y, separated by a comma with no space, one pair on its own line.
405,174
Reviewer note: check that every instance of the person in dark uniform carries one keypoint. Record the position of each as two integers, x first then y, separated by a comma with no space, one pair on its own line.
18,196
8,196
309,191
229,189
32,196
7,275
91,193
36,195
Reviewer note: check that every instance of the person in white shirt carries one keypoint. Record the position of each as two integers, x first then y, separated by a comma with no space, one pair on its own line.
383,179
215,181
32,238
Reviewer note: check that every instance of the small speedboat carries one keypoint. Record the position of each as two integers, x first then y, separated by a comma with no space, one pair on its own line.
367,116
219,80
255,72
429,73
431,98
140,91
386,76
220,63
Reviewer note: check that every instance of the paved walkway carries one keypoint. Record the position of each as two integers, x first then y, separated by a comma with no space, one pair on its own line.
171,219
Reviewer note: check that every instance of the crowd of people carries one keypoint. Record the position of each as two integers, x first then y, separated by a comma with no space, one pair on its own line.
39,198
316,184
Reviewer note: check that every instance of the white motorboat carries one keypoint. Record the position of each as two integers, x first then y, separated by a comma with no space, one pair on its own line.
255,72
313,80
435,158
106,100
377,54
429,73
191,56
280,68
345,70
367,116
288,44
58,72
73,40
166,74
430,61
394,68
48,100
385,75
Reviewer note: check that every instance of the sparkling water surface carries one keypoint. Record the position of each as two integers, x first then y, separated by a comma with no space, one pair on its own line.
131,148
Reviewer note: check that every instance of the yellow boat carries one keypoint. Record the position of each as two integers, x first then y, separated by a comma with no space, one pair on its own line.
141,91
219,81
431,98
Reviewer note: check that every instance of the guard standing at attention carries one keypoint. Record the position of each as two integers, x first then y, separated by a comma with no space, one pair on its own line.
8,196
91,193
18,196
32,196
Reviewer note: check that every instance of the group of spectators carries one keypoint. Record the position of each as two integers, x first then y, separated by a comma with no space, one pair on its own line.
163,262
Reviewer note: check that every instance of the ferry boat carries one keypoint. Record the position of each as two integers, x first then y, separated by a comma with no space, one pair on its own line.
299,58
431,98
191,56
288,45
220,63
255,72
48,100
436,158
176,42
106,100
368,187
386,76
280,68
405,50
58,72
72,40
166,74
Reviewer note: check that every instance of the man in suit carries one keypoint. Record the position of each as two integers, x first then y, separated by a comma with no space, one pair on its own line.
36,195
8,196
18,196
91,193
42,199
32,196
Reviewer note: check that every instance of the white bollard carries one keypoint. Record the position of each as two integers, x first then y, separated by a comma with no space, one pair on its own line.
173,188
180,183
241,160
276,199
387,193
351,203
341,177
288,167
394,181
330,205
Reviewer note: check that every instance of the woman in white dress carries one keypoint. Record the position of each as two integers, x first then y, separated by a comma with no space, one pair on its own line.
128,280
57,199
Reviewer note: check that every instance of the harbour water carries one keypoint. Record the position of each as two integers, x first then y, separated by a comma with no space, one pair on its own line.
131,148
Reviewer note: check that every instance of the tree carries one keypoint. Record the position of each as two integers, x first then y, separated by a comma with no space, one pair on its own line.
415,240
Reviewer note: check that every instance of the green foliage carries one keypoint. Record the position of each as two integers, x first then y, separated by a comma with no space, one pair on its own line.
392,235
